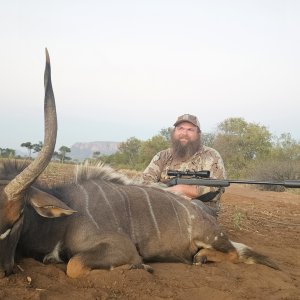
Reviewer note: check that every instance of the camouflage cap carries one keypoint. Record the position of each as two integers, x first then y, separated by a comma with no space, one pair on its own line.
187,118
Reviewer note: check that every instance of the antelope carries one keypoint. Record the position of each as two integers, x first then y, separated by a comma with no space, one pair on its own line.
102,220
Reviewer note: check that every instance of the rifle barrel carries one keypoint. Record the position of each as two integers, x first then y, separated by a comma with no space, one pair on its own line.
285,183
225,183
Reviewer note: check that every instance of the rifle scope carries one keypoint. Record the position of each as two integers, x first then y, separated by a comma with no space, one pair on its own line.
201,174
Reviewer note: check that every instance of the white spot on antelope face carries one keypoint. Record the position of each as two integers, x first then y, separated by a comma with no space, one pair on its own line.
221,234
5,234
216,238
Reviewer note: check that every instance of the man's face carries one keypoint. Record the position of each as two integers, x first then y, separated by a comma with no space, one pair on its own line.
185,140
186,132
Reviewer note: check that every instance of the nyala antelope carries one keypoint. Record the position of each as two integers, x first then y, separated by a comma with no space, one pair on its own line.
100,220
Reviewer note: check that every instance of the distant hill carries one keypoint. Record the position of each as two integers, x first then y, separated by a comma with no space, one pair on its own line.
80,151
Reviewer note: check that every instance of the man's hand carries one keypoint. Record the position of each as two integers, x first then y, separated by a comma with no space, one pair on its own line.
186,191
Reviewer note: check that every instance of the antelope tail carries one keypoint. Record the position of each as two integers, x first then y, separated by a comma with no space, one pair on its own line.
249,256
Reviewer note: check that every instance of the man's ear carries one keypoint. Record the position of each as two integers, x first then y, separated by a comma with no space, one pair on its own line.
48,206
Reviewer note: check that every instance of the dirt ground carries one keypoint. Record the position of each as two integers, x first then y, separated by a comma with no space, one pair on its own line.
266,221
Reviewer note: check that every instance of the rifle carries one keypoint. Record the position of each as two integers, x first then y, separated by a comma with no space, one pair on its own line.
202,178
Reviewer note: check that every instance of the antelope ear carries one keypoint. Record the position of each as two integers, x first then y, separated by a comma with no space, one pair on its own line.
48,206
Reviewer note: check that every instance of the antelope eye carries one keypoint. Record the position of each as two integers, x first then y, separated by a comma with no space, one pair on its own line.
5,234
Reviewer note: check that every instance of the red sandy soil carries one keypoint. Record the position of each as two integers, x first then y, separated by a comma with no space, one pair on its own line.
267,221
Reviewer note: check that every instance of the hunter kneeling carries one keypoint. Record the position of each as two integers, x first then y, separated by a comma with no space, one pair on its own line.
188,153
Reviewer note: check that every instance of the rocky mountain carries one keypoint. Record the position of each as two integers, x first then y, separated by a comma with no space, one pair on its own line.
80,151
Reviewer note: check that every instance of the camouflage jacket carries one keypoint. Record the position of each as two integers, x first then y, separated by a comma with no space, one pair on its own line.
205,159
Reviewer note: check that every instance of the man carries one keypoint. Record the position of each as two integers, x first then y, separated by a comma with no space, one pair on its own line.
188,153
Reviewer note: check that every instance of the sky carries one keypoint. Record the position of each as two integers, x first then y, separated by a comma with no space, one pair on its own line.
130,68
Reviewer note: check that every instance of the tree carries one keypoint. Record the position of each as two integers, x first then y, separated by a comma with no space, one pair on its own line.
150,147
240,143
96,155
286,148
166,133
62,151
7,152
208,139
130,151
29,147
37,147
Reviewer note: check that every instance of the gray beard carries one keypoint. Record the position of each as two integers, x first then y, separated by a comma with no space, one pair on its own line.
185,151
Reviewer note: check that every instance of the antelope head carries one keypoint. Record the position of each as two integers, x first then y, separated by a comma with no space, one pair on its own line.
14,192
